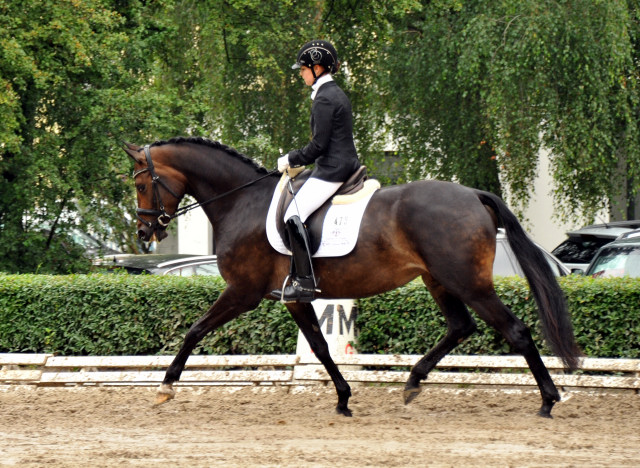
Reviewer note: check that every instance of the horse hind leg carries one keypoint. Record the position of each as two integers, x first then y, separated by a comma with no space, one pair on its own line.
517,334
460,325
306,319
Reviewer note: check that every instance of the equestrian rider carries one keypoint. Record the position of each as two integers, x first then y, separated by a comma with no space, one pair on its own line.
331,149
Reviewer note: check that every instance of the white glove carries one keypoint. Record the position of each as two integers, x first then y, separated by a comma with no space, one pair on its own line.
283,163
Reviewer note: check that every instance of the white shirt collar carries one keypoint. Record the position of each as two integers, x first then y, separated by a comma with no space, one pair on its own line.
319,82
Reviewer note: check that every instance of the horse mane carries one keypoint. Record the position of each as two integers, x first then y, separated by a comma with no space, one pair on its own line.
215,145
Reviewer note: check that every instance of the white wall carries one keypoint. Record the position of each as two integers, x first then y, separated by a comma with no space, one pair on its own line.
540,222
193,235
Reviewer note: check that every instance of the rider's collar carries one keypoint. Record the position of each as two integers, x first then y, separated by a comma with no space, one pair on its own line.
319,82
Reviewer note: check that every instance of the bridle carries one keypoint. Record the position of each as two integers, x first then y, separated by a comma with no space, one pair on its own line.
163,218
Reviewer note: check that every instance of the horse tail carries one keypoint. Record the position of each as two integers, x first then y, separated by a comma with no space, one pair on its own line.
552,305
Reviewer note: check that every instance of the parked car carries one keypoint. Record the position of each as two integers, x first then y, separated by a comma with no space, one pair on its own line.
506,264
159,264
618,258
577,251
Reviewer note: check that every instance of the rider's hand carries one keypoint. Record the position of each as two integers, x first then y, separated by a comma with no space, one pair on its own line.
283,163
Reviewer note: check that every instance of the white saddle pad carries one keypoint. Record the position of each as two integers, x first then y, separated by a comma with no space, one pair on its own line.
341,224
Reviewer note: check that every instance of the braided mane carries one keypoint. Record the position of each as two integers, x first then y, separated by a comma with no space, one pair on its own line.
212,144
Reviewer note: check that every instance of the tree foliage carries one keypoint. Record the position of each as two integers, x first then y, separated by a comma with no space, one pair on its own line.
74,77
460,90
487,84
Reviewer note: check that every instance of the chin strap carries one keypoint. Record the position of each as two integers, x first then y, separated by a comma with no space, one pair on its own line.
316,78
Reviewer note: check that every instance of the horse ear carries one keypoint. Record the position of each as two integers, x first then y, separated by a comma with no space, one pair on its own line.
133,151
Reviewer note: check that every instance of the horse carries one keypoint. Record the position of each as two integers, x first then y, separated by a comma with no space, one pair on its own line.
441,231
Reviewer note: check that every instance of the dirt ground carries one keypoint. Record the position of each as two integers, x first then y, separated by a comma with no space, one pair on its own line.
295,427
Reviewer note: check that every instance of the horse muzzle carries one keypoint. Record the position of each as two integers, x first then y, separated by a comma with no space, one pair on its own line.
146,233
146,229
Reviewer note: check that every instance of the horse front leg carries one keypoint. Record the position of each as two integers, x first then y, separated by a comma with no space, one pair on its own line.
306,319
228,306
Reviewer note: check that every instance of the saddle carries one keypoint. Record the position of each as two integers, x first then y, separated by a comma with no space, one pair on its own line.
314,223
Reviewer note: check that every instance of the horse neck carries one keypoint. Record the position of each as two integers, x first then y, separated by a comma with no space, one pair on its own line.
212,173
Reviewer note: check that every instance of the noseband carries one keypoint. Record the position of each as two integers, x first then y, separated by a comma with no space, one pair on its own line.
163,218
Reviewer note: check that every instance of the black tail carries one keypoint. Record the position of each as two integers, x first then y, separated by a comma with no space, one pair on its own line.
552,304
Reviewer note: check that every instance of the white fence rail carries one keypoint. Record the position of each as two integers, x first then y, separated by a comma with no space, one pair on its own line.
50,370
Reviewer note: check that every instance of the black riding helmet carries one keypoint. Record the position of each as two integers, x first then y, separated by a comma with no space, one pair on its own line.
318,52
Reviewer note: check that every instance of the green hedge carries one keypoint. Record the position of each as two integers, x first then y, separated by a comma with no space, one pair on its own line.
129,315
605,315
135,315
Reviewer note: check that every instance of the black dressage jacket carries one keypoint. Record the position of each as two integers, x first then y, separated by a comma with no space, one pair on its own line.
331,147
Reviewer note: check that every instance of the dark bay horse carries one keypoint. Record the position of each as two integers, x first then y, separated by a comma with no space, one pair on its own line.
441,231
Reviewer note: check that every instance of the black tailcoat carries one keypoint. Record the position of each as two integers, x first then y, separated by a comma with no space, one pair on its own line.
331,148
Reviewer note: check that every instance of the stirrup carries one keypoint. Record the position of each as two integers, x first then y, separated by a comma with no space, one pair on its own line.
295,291
284,285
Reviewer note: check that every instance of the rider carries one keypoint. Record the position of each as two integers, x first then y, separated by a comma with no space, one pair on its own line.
331,149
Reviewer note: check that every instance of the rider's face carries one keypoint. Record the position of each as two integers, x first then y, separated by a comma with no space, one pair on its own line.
307,76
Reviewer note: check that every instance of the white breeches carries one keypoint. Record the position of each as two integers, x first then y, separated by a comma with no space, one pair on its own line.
313,193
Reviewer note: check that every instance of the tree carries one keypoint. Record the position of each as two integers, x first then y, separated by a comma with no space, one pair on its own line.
74,77
465,90
232,62
486,84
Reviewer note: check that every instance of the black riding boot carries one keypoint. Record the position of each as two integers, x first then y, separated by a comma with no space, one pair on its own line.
301,285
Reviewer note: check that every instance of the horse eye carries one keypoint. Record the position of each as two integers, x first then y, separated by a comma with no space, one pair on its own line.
141,188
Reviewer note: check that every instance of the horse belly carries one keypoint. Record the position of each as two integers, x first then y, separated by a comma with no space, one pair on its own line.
361,275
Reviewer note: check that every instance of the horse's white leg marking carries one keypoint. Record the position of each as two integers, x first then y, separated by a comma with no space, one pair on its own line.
164,394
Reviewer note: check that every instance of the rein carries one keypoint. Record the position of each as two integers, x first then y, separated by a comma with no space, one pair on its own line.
164,218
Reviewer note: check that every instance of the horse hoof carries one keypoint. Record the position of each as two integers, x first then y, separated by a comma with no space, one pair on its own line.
410,394
344,412
165,393
545,412
547,406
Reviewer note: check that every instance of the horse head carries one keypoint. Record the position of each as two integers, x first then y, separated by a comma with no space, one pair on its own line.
158,187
